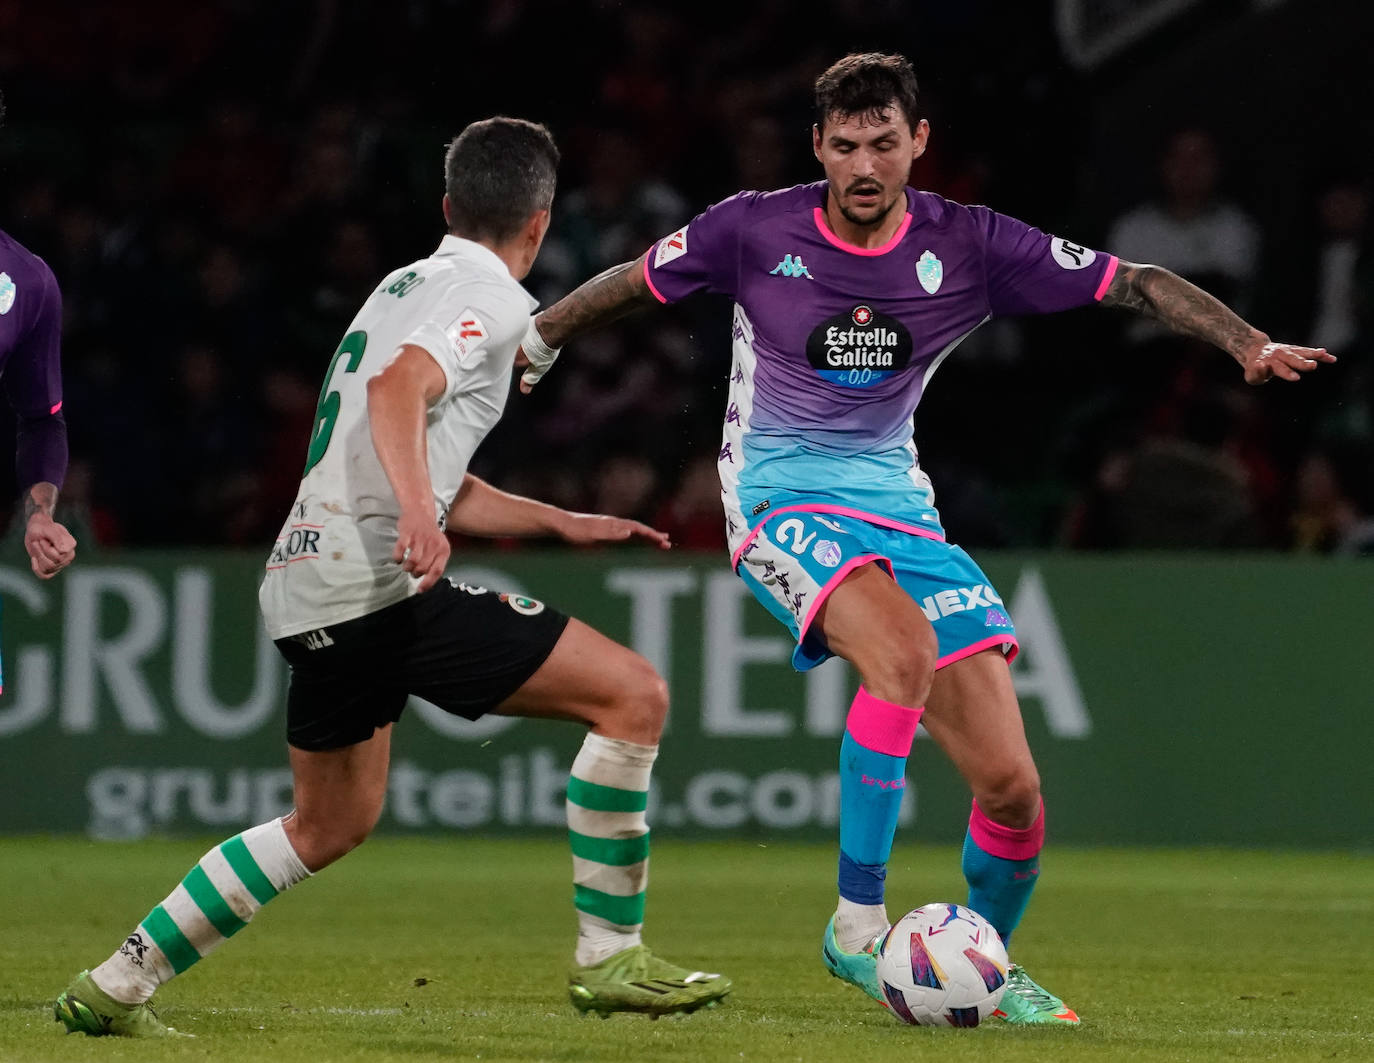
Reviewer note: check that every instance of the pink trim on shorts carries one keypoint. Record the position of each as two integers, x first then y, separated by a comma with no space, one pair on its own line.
882,726
853,249
656,293
1007,842
841,511
979,646
833,582
1107,278
56,408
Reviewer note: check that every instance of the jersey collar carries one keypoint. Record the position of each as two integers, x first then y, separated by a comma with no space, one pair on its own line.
868,252
479,254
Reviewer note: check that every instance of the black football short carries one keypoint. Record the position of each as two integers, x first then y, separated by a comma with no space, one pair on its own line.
465,649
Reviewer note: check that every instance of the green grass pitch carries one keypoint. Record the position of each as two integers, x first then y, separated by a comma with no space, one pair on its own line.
456,949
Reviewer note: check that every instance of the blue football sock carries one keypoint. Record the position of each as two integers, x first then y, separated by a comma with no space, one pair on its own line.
871,786
998,889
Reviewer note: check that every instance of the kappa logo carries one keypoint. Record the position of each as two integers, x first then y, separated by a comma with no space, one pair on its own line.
671,247
466,333
930,271
791,266
7,292
1070,255
959,600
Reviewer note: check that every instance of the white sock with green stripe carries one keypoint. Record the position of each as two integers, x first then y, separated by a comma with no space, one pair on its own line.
607,794
214,902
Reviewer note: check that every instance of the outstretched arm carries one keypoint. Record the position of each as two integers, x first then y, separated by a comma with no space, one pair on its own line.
1186,308
480,509
596,302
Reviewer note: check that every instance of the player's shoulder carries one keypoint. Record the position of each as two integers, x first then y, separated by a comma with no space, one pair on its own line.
23,265
931,208
761,206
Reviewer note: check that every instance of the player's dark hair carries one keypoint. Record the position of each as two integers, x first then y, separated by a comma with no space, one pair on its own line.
497,173
865,84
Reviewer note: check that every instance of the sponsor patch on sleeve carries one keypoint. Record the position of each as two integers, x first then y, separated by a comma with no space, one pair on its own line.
671,247
466,333
1071,255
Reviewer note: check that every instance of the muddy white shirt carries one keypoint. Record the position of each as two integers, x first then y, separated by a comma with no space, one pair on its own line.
332,561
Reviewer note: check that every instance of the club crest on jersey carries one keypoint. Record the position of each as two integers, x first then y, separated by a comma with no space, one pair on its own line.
930,271
671,247
466,333
7,290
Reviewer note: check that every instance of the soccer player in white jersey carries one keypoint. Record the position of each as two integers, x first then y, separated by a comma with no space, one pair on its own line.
355,599
848,294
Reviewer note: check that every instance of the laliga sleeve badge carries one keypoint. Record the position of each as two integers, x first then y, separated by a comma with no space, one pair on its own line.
671,247
522,605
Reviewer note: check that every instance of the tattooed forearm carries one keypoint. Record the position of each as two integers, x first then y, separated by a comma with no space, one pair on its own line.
40,498
1167,297
604,298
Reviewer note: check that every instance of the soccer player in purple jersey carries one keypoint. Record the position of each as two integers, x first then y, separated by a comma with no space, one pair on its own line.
848,294
31,372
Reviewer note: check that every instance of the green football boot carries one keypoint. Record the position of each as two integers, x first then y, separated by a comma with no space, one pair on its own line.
858,968
634,979
1026,1004
85,1008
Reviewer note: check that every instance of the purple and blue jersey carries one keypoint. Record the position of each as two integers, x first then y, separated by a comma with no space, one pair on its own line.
834,346
30,365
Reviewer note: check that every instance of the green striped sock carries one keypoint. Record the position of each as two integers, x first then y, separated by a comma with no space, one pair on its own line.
607,795
214,902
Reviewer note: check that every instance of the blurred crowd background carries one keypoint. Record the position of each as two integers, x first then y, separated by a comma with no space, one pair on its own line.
219,185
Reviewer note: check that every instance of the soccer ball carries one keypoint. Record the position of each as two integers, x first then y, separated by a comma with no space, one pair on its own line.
942,964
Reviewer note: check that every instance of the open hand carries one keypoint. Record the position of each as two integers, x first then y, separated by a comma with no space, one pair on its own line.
1287,361
51,547
585,528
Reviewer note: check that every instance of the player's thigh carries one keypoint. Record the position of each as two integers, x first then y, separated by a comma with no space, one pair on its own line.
589,678
870,621
973,715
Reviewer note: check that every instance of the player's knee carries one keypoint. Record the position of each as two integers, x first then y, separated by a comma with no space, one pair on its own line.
1013,798
900,664
320,842
641,703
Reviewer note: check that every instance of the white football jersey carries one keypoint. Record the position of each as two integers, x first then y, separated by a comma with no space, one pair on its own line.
332,561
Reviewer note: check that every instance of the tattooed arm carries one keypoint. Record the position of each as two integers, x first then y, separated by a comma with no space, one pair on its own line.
602,299
1186,308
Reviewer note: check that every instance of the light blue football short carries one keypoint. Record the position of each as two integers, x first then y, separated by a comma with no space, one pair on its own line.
796,558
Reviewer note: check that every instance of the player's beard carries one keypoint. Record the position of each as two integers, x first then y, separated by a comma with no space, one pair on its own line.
869,218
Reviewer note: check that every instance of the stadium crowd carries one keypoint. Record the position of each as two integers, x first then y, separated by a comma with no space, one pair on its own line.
218,186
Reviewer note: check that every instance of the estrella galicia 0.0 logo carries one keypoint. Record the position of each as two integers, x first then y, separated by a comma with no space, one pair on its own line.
858,348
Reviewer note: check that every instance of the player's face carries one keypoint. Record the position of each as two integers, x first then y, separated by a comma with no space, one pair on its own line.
868,163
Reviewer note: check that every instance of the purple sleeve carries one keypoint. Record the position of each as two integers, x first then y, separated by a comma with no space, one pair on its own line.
702,256
33,383
1031,272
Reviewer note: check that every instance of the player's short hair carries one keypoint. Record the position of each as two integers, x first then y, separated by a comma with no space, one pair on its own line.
497,173
866,83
